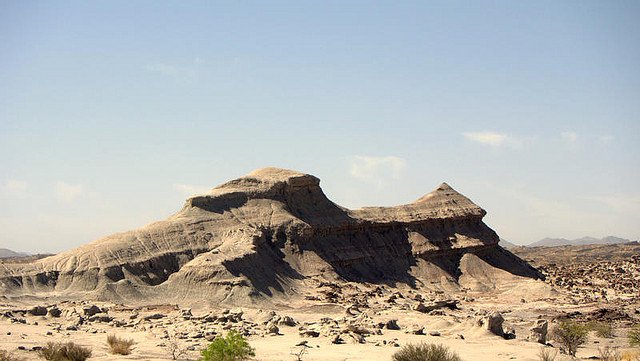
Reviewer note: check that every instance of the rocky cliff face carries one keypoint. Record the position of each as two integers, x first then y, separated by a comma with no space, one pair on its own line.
265,236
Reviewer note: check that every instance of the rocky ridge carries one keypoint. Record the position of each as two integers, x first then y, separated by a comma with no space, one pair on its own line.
269,236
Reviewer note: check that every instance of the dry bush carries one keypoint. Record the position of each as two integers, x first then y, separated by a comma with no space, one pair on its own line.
425,352
68,351
547,354
299,352
634,336
571,335
174,346
602,329
8,356
631,355
609,354
119,346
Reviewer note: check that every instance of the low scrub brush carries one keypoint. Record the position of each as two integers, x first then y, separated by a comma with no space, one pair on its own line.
69,351
119,346
425,352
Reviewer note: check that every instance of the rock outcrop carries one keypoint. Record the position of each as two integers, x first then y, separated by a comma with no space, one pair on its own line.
262,236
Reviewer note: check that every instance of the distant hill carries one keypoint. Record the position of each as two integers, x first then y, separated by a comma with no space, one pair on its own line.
553,242
6,253
506,244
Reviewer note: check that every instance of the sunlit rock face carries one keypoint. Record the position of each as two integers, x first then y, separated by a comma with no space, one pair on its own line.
263,236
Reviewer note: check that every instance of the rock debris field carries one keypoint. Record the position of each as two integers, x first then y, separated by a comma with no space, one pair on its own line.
269,256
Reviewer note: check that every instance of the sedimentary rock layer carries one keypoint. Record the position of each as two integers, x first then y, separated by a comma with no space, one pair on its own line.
265,236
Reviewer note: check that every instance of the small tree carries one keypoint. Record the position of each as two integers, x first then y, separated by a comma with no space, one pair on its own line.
233,347
425,352
571,335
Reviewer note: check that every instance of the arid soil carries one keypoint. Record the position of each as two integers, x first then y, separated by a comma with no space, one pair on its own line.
270,256
609,274
355,321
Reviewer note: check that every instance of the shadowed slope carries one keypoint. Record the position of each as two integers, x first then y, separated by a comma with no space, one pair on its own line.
260,236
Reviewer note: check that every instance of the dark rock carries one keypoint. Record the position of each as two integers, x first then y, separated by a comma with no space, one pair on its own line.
392,324
54,311
38,311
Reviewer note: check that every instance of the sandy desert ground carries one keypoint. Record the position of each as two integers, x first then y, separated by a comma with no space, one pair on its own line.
356,321
270,256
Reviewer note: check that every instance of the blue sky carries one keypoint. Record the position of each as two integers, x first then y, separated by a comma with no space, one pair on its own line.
113,112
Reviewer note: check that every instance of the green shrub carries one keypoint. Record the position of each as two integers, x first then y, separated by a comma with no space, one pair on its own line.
233,347
119,346
8,356
571,335
602,329
425,352
634,336
64,352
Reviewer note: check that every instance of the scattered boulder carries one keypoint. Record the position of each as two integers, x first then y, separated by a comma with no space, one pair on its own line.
538,333
272,328
436,305
92,310
54,311
154,316
287,321
38,311
416,330
309,333
100,317
336,339
492,323
392,324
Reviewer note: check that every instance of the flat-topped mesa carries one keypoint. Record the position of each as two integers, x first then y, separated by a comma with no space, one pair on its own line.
302,192
265,183
261,235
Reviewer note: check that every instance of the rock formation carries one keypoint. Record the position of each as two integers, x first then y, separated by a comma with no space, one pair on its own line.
264,236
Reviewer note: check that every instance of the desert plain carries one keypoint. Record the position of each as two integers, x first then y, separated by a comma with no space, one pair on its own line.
269,256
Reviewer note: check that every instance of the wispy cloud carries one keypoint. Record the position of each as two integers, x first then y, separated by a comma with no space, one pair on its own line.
14,187
376,169
569,137
68,192
183,73
574,140
606,139
623,204
493,139
189,189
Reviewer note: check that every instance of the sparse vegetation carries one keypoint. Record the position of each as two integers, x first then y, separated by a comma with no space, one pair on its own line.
173,344
602,329
609,354
69,351
571,335
547,354
299,352
425,352
631,355
8,356
233,347
119,346
634,336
